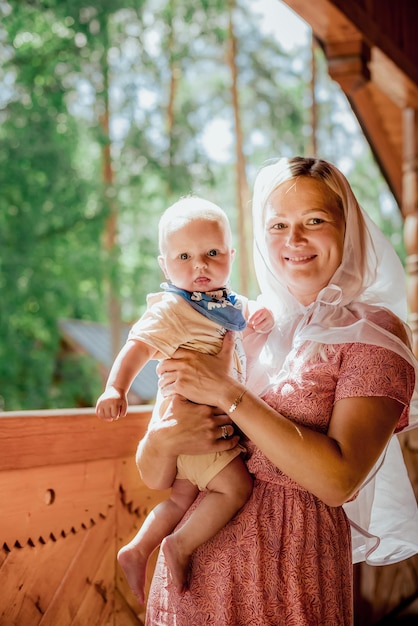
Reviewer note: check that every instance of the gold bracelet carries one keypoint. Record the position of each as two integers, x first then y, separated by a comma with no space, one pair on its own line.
237,402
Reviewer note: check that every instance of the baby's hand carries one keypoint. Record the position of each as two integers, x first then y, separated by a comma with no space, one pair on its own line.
111,405
261,321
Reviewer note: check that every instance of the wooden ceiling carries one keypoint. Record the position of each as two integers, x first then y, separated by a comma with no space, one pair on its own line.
372,52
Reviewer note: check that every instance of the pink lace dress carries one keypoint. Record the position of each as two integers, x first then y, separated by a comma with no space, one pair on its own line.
285,559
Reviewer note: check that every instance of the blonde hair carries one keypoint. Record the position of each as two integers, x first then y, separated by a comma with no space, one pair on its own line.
186,210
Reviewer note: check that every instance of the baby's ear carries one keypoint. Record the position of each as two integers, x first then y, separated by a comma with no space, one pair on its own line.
161,263
233,253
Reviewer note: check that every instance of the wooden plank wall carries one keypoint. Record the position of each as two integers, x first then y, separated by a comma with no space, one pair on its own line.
71,496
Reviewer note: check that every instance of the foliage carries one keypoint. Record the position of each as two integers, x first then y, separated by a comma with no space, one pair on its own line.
112,108
51,219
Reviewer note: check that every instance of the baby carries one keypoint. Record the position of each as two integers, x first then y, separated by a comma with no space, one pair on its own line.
193,311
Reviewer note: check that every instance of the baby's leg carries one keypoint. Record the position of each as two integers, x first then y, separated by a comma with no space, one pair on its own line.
228,491
133,557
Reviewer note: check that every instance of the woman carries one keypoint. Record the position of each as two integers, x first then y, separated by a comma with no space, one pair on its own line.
335,376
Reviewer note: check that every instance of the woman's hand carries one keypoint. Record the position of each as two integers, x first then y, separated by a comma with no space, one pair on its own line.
191,428
201,378
184,428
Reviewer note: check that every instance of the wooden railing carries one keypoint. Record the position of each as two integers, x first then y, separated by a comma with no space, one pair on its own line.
71,495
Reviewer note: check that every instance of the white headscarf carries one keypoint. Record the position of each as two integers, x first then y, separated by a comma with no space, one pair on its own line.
370,275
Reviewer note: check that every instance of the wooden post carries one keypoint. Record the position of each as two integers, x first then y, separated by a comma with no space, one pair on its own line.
410,212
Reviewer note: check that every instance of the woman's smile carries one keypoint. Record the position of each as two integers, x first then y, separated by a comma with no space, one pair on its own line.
300,259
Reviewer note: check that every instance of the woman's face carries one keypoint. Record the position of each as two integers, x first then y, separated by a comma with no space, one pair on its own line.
304,230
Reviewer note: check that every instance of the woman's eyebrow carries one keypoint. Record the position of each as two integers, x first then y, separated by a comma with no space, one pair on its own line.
305,212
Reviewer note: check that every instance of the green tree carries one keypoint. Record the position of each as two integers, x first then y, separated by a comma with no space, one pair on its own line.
51,217
108,111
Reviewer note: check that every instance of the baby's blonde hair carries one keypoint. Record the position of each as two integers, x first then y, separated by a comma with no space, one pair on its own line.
184,211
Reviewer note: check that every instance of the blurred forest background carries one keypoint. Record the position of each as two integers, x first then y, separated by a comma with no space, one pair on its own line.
110,110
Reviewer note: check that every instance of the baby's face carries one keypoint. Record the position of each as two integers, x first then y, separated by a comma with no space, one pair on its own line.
198,256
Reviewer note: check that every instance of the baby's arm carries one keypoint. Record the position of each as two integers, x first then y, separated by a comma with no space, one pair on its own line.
260,321
129,362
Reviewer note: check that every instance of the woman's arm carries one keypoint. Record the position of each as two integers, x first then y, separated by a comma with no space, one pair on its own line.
184,428
332,466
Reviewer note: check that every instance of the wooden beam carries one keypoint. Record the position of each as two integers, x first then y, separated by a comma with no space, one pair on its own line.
410,210
348,63
41,438
378,138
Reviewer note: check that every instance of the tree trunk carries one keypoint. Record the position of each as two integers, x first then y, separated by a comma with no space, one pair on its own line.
110,235
243,196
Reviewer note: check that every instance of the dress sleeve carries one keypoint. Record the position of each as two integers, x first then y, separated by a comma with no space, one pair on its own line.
368,370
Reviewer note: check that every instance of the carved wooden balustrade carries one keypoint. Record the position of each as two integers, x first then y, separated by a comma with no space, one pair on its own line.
71,496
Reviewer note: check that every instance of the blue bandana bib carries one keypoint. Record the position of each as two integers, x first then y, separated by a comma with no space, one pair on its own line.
221,306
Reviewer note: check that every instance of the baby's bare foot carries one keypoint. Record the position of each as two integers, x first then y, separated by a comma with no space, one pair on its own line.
177,562
134,566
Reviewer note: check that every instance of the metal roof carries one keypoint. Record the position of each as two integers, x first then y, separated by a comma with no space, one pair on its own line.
94,339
